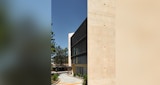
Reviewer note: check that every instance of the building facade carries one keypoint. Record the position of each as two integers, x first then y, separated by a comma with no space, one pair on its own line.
79,50
69,49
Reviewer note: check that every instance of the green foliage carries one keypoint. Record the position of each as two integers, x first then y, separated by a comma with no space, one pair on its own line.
82,76
79,75
84,79
52,43
61,55
55,77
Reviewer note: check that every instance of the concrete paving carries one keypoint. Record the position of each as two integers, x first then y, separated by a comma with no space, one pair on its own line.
65,79
59,72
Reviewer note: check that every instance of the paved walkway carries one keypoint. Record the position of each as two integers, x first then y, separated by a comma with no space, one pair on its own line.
69,80
54,72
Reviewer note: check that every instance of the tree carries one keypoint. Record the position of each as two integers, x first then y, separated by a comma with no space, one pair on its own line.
52,43
66,55
61,55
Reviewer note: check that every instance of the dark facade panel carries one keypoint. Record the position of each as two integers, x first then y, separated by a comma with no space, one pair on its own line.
79,40
80,33
79,49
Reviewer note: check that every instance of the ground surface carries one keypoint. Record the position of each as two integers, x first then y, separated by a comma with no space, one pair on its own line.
65,79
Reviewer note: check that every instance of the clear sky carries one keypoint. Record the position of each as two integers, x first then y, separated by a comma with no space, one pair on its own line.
40,10
67,16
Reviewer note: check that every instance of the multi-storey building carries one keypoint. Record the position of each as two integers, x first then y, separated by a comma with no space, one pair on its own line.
79,49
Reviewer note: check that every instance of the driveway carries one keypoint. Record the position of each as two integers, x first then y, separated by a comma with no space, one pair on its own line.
65,79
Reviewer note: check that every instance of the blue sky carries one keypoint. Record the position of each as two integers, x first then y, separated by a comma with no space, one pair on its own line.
40,10
67,16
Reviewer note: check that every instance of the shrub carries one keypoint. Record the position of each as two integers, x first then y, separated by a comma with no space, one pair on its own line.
55,77
84,79
78,74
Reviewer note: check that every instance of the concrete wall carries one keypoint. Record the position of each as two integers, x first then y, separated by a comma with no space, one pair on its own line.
138,42
101,42
129,35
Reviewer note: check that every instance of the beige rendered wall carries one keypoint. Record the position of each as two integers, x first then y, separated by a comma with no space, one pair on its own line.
101,42
138,42
123,42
